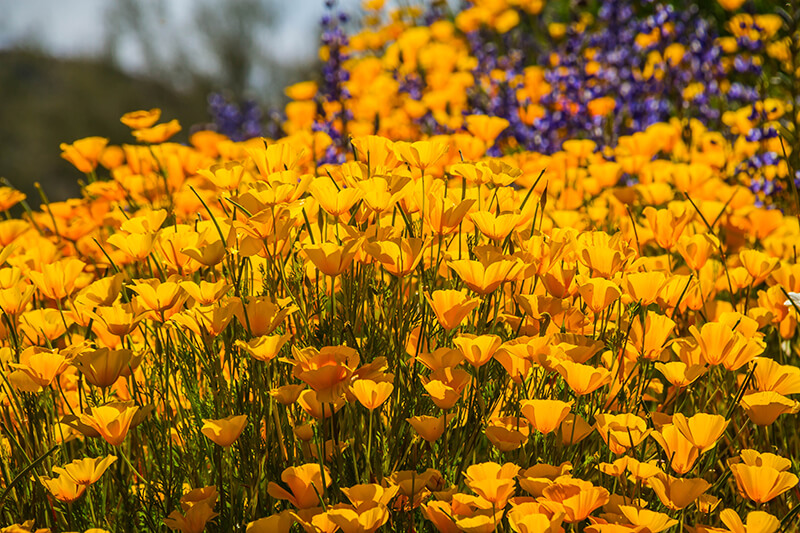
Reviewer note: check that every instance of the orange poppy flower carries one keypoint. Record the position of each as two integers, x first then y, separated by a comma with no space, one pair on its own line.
276,523
369,493
310,403
225,176
641,471
366,518
507,433
440,514
680,374
696,249
305,485
649,342
666,225
677,493
758,264
224,431
63,488
477,350
442,216
703,430
153,295
525,520
332,259
261,315
770,375
206,321
14,300
86,471
193,521
377,152
314,520
644,287
761,483
598,293
451,307
430,428
120,319
582,379
484,277
441,358
536,478
763,408
649,520
412,485
111,421
59,279
398,256
622,431
333,199
37,368
757,521
545,415
158,133
205,293
381,195
371,394
84,153
493,482
287,394
207,247
603,261
496,227
514,357
102,367
274,157
574,429
137,120
327,370
11,229
264,348
445,386
681,453
715,339
486,128
421,154
575,498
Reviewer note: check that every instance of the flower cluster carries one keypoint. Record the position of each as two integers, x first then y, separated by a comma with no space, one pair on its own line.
430,330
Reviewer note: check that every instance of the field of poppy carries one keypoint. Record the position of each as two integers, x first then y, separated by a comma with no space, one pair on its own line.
503,269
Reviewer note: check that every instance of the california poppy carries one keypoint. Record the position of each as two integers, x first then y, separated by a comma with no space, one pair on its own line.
224,431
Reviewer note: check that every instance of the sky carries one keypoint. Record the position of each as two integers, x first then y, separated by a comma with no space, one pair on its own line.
78,28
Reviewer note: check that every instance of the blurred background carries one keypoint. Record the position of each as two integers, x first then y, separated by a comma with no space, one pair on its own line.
70,69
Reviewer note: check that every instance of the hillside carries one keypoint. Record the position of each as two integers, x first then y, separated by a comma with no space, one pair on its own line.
46,101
